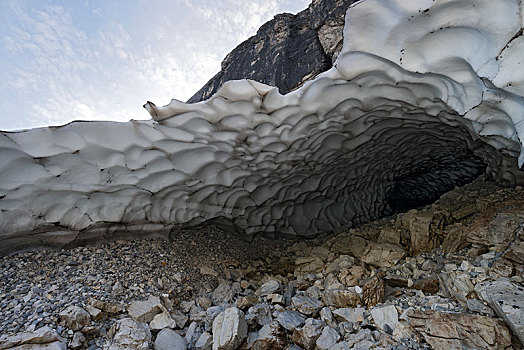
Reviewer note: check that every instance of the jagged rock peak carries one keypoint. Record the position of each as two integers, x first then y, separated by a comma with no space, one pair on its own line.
287,50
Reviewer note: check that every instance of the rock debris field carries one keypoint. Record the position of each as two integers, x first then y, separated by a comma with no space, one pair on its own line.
445,276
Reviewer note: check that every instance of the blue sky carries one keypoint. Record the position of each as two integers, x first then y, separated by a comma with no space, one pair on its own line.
103,59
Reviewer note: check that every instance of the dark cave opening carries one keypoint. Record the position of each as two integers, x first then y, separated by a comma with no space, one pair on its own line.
423,185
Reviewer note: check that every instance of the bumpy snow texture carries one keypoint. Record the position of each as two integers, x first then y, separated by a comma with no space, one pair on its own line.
424,96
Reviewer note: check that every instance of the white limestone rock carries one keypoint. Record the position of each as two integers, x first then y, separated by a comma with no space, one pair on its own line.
44,337
507,299
145,311
385,317
229,329
161,321
128,334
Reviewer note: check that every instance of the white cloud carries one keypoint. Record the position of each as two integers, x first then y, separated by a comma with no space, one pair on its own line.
63,65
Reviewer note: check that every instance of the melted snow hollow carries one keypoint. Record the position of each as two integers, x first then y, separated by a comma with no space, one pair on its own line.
425,95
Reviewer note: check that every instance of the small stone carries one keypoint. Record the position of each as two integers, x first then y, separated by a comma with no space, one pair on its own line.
74,317
161,321
77,341
259,314
229,329
205,270
349,314
204,302
204,342
223,294
168,339
385,316
327,316
180,319
246,301
291,320
327,339
186,306
343,346
306,305
192,334
145,311
308,335
339,298
110,308
477,306
213,312
276,299
269,287
270,337
96,314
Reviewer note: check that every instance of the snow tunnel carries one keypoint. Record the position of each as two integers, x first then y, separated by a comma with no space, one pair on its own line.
430,98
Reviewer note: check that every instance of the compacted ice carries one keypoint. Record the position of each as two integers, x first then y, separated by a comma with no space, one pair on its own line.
424,96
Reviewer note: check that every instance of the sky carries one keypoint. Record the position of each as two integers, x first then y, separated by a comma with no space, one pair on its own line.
64,60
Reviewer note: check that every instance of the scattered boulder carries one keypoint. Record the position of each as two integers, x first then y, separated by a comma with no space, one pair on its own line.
385,318
270,337
74,317
229,329
161,321
145,311
269,287
340,298
327,339
373,291
204,342
44,337
382,254
291,320
78,340
108,307
307,336
349,314
507,299
128,334
454,331
168,339
306,305
260,314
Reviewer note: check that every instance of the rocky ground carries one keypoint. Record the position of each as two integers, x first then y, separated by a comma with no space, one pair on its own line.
446,276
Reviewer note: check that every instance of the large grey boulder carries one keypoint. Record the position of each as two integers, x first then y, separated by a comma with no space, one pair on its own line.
168,339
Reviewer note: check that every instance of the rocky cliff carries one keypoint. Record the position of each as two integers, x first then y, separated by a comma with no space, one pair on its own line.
287,50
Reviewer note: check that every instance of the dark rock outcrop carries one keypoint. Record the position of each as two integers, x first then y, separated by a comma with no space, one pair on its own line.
286,51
